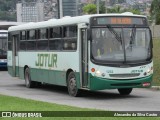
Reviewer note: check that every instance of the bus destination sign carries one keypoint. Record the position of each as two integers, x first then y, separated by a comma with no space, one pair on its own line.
122,20
118,20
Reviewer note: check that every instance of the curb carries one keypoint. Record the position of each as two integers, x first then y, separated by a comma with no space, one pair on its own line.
155,87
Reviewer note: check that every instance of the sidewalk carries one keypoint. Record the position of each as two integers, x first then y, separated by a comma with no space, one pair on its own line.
155,87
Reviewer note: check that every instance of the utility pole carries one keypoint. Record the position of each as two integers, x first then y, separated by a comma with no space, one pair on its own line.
60,8
97,6
77,5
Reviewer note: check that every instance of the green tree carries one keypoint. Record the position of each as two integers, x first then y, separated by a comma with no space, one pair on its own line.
7,10
135,11
155,11
116,9
102,8
90,9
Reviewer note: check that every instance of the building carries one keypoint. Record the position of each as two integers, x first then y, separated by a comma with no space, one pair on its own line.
37,10
87,1
51,9
70,7
30,11
42,10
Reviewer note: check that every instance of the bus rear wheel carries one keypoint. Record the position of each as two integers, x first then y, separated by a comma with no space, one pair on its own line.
125,91
28,82
72,85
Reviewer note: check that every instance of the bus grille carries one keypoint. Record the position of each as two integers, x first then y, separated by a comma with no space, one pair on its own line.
124,75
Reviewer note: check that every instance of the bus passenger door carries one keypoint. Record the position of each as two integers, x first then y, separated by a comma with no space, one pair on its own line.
84,58
15,60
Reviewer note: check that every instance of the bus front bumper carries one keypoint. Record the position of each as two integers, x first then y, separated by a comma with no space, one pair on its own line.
100,83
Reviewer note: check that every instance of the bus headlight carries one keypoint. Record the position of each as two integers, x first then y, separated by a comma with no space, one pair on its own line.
150,70
99,74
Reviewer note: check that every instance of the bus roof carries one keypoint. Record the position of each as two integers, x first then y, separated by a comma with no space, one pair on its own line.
65,21
5,31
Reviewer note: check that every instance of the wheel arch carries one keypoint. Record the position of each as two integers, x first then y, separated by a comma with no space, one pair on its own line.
26,66
67,73
73,89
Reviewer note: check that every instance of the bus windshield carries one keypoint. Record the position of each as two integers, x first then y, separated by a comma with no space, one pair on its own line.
121,44
3,43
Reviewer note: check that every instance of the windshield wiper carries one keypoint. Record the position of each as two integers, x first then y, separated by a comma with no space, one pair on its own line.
132,38
118,38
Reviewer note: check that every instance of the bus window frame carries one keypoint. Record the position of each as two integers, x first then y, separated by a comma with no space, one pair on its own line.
70,38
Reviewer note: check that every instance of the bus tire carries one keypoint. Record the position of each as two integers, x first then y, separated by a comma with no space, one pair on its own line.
72,85
125,91
28,82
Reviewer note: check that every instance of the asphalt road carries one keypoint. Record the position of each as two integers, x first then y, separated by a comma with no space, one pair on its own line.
139,100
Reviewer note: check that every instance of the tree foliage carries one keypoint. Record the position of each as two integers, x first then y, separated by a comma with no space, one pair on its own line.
117,9
134,11
121,1
7,10
90,9
6,16
155,11
102,8
6,5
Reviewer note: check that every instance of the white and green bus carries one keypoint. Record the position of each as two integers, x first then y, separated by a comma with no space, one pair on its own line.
91,52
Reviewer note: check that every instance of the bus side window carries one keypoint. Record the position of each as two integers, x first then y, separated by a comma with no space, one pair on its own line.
42,42
65,31
57,32
23,38
31,42
51,33
66,46
73,31
55,39
43,33
9,42
31,34
23,35
70,37
73,46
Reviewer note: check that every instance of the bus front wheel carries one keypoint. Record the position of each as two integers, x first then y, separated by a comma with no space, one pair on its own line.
72,85
28,82
125,91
